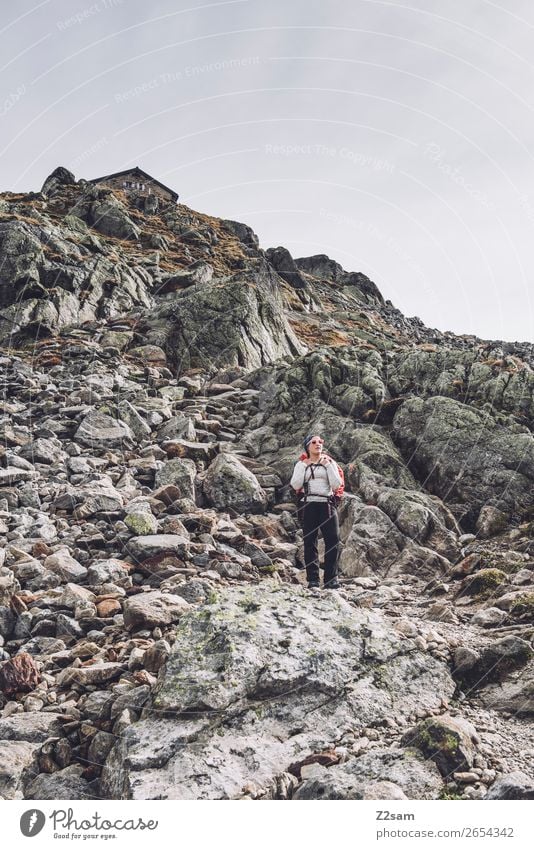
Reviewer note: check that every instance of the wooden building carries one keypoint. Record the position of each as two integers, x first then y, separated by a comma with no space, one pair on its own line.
138,181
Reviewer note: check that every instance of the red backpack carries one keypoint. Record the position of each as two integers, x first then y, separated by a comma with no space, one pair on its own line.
337,494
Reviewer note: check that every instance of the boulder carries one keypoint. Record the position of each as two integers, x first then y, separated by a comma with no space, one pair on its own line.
284,264
141,522
495,662
19,675
180,473
380,774
373,543
97,673
66,783
153,609
236,321
490,522
18,761
33,727
101,431
287,673
229,484
42,450
108,216
129,415
514,696
107,571
63,564
177,427
514,785
449,740
142,547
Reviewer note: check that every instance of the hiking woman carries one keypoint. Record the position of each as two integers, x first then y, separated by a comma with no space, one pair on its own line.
317,474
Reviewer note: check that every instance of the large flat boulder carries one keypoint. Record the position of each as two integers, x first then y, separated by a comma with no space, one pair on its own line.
259,678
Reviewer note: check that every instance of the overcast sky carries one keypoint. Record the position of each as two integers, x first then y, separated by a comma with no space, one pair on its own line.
395,137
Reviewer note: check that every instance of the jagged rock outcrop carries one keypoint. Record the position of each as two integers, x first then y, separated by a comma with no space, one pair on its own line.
56,180
230,322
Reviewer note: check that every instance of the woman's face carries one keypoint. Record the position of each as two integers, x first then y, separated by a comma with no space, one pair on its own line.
316,446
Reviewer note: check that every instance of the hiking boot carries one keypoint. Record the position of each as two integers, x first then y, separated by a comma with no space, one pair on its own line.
313,585
332,585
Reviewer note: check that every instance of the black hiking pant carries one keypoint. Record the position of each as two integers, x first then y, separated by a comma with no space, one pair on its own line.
320,516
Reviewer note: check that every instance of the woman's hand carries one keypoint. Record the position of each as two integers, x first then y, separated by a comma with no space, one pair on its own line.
325,460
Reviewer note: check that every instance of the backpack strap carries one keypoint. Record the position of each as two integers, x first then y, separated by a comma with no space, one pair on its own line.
306,484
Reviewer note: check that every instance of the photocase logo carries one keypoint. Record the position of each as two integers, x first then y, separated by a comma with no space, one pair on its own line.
32,822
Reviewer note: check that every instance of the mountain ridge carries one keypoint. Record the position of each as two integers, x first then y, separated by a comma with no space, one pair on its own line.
160,371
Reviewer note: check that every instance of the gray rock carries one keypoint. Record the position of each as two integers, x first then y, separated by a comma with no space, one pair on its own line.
98,673
490,522
489,617
393,773
514,785
181,473
64,565
177,427
513,696
42,450
490,465
229,484
100,747
142,547
56,180
141,522
104,571
32,727
97,705
18,760
129,415
449,740
9,585
284,264
108,216
253,656
495,662
98,430
66,783
373,543
152,609
7,622
236,321
13,475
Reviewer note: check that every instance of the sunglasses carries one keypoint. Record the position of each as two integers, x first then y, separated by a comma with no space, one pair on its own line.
317,442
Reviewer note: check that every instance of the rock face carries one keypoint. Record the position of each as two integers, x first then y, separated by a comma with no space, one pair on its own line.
159,372
489,464
235,322
286,674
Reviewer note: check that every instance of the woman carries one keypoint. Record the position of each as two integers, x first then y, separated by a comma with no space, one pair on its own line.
317,474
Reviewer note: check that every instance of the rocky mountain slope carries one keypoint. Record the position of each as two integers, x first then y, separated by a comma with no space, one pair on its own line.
159,372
